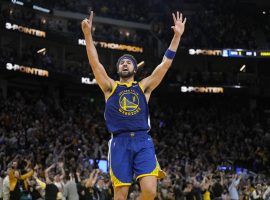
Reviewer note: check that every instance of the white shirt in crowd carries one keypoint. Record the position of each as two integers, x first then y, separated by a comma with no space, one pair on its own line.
256,194
233,189
1,187
6,188
266,194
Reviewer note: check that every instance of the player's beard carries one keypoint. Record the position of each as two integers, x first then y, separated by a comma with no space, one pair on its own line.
126,74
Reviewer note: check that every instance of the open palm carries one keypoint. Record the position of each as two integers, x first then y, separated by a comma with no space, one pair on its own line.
179,23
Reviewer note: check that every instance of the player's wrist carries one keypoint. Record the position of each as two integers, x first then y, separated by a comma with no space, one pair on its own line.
177,35
87,34
170,54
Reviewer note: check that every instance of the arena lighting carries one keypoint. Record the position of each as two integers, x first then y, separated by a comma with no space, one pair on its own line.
35,7
265,54
188,89
249,53
242,69
107,45
25,30
88,81
17,2
43,51
27,70
41,9
237,86
141,64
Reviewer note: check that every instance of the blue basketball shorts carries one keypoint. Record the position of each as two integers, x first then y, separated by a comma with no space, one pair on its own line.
132,155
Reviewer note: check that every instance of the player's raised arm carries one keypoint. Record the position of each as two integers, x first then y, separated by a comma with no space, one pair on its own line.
152,81
103,80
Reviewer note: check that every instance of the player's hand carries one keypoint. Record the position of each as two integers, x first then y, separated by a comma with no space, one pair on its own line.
78,173
179,24
61,164
86,24
91,181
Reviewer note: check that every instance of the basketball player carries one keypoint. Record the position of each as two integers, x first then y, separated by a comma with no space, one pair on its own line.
131,149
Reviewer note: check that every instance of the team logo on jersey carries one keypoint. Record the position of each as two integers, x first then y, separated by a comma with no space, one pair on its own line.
129,102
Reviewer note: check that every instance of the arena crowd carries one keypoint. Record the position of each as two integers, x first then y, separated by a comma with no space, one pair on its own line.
47,142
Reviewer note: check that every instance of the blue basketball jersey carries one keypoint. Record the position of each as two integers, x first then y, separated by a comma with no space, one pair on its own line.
127,109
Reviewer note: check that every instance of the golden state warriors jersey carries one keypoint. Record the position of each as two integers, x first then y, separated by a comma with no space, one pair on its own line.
127,109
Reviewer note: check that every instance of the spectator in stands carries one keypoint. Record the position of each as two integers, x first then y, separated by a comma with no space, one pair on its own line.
233,188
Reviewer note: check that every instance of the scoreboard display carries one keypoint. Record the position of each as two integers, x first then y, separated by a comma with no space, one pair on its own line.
238,53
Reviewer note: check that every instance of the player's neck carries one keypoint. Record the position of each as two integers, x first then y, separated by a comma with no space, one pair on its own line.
126,80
